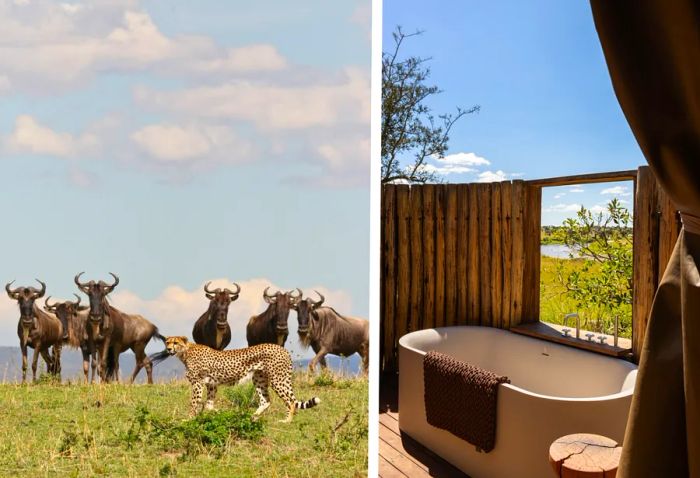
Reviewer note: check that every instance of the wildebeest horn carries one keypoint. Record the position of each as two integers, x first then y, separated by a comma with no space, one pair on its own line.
269,298
116,282
298,296
12,293
40,293
48,306
77,303
238,290
318,304
80,285
206,288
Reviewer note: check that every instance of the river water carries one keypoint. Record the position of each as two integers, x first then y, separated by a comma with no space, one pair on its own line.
560,251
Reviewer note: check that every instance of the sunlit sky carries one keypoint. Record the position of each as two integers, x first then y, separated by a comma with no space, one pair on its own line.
537,70
177,142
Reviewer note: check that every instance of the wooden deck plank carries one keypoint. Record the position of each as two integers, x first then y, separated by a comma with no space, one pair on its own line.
401,461
387,470
399,454
389,422
389,437
393,414
411,458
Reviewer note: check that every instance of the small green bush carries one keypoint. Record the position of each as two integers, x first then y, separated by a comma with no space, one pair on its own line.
242,396
48,379
215,427
209,429
324,379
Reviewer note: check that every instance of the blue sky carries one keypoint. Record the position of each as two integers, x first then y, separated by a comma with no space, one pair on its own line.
178,142
537,70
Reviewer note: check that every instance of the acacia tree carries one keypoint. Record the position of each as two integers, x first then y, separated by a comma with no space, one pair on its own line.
602,287
409,129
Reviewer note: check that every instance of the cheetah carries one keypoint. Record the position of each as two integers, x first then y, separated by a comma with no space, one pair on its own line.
269,364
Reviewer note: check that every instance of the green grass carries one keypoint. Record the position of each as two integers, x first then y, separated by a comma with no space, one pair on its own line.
555,303
143,431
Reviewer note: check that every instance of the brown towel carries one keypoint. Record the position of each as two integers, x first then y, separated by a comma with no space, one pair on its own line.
461,398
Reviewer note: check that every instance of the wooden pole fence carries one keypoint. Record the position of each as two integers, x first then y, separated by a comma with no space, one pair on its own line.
469,254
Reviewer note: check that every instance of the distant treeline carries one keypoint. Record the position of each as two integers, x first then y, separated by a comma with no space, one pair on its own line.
556,234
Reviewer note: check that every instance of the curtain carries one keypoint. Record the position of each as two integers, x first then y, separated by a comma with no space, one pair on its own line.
652,49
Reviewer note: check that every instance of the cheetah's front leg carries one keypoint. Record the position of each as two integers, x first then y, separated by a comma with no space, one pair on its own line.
211,394
196,400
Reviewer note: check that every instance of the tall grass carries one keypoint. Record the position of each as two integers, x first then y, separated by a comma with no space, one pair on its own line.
54,429
555,303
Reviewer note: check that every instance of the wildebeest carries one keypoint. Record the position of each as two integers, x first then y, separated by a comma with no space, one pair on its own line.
112,331
328,332
36,329
73,317
212,328
270,327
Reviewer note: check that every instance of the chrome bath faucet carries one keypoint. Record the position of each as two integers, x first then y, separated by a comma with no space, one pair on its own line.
566,330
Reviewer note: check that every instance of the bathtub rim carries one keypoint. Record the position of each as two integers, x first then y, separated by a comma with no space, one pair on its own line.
622,394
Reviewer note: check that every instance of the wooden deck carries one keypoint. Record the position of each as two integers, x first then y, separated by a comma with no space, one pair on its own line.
399,455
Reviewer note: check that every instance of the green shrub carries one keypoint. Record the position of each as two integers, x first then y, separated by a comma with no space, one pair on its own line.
324,379
215,427
242,396
48,379
209,429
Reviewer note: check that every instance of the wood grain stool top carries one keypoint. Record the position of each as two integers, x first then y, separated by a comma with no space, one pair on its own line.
585,455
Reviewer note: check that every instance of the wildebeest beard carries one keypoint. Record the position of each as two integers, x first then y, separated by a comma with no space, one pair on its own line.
305,339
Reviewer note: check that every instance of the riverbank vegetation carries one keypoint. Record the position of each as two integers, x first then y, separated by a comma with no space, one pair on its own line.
596,279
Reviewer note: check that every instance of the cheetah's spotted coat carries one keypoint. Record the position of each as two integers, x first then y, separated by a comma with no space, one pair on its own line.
208,368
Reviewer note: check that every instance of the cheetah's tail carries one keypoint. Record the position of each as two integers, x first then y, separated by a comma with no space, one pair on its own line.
307,404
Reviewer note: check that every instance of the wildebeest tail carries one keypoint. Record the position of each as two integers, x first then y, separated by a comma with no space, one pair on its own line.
158,357
307,404
158,335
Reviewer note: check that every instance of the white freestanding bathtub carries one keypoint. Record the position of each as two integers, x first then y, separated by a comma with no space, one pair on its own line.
554,391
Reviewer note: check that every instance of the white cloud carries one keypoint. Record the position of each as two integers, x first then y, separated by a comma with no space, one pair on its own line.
492,176
232,102
597,209
48,46
171,143
445,170
461,163
31,137
561,207
458,163
559,195
344,155
246,59
577,190
463,159
617,191
270,106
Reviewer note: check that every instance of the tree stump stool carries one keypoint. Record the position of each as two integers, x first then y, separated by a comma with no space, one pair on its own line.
585,455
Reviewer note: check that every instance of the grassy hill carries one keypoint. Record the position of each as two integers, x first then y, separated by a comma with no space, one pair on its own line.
140,430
